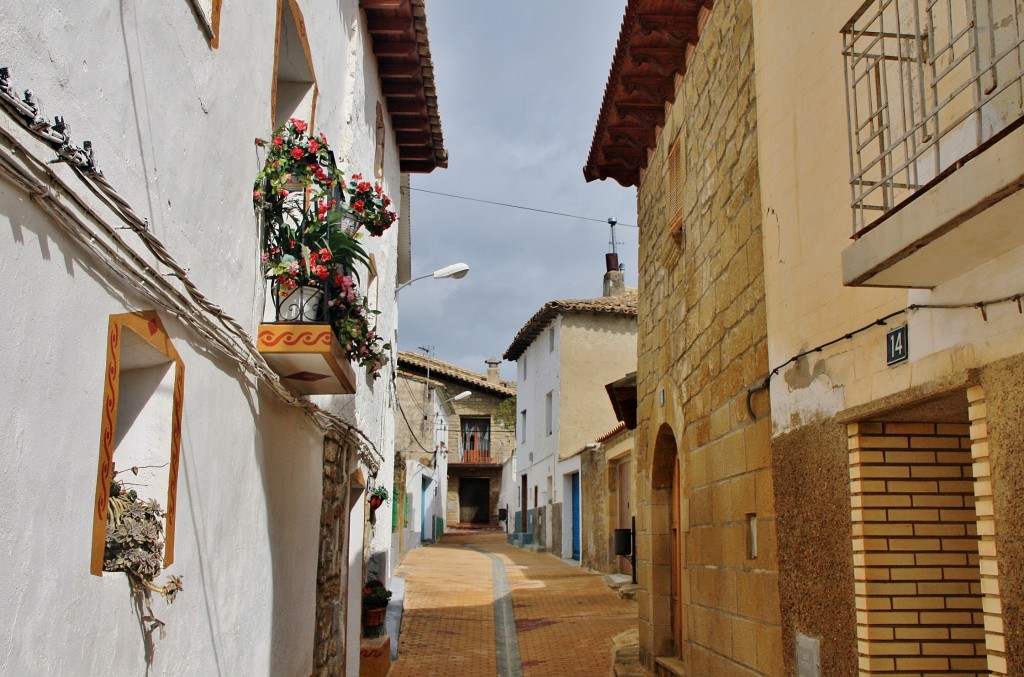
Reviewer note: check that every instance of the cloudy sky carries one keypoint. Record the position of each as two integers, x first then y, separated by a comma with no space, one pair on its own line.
519,87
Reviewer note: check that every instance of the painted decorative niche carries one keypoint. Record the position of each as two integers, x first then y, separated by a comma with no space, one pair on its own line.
144,384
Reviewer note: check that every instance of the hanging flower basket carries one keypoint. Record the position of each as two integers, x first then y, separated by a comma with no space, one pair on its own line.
311,247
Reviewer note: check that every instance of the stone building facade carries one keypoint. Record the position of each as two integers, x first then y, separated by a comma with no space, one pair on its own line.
474,440
707,558
828,475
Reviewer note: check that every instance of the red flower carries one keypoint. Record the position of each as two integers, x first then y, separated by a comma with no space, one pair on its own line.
363,187
297,153
256,195
358,206
278,141
313,146
356,177
320,173
325,254
377,189
259,141
284,193
300,126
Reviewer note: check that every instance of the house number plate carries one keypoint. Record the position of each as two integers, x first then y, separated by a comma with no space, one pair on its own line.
896,345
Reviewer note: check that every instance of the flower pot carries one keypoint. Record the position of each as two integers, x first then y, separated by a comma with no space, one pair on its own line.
373,621
302,304
375,502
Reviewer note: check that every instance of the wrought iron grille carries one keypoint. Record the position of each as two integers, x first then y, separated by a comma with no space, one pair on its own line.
929,83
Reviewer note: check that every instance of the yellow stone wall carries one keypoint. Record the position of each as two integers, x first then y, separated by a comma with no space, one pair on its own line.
702,342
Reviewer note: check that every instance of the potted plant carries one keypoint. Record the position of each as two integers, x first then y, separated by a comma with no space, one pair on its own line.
135,545
375,607
311,247
378,495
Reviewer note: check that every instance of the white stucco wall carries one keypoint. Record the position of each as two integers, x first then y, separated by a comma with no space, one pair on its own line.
538,374
173,124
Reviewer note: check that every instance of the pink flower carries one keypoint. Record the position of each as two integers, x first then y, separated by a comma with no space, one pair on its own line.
313,146
278,141
300,126
259,141
297,153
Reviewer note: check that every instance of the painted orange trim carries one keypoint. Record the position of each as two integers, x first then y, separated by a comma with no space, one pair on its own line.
147,326
307,339
215,20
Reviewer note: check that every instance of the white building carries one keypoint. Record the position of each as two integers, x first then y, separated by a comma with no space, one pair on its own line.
138,337
565,354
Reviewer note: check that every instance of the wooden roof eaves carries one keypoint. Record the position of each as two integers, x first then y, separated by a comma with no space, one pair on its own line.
654,40
401,44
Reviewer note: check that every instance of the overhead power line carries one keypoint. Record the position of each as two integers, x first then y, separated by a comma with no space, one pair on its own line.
512,206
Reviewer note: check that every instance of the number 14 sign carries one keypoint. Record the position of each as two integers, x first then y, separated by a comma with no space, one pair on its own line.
896,345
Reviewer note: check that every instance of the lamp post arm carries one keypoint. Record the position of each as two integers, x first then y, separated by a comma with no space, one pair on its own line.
415,279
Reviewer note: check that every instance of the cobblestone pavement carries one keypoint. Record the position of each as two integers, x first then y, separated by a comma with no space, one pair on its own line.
564,617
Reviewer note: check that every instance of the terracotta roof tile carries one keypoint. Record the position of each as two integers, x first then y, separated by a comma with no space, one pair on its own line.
448,371
620,304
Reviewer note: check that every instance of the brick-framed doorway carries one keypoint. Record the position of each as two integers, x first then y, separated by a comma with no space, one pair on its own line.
926,580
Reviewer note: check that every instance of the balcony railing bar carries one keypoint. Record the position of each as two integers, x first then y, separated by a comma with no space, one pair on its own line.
931,66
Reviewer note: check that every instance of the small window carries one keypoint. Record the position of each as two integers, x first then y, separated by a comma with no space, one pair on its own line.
525,368
381,145
522,426
549,423
295,90
551,339
676,179
207,13
140,428
751,536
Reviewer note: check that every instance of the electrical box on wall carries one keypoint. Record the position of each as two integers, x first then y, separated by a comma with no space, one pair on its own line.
808,656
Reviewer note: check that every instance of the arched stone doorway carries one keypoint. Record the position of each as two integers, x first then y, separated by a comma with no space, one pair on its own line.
666,546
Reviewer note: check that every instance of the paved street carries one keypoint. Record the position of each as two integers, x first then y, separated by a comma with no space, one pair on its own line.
476,606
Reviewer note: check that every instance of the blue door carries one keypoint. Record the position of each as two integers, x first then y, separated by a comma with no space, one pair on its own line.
576,516
425,536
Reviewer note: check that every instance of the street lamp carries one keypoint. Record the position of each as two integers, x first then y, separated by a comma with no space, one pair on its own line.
456,271
461,396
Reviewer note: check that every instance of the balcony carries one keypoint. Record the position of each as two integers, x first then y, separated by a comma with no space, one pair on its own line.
935,94
301,347
477,457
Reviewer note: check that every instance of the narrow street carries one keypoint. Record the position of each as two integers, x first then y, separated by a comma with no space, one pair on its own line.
476,606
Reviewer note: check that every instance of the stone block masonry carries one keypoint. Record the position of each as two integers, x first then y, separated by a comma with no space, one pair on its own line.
702,343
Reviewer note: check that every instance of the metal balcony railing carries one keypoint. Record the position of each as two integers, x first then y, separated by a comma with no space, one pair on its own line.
477,456
929,84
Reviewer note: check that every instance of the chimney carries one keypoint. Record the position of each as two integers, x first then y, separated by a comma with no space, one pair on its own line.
614,280
493,370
